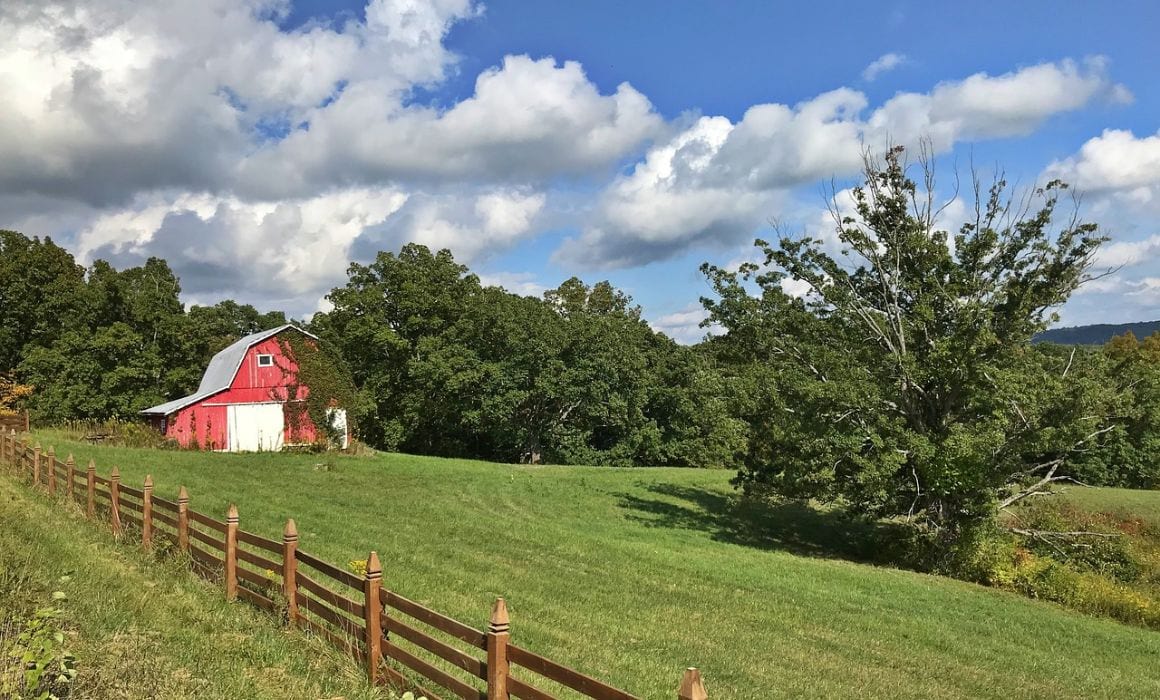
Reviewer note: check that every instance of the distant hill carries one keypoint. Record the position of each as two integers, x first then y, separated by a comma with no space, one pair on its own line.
1097,334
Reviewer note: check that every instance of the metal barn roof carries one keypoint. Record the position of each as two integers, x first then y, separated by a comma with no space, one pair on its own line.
221,370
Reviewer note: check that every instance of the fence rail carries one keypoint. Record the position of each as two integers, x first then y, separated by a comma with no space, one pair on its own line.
400,642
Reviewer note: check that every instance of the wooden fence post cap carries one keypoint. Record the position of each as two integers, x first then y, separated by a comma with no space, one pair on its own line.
70,460
51,451
374,568
92,466
183,495
148,481
692,688
499,622
232,514
36,446
115,475
290,532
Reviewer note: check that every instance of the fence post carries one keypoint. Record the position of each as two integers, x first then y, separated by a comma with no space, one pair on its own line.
290,570
232,552
183,520
373,607
22,455
51,463
147,512
498,633
36,464
91,474
691,686
70,469
115,500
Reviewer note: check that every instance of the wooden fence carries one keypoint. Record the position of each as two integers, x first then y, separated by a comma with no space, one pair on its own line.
14,421
400,642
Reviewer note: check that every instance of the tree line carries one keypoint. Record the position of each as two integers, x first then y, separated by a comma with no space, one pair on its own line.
903,383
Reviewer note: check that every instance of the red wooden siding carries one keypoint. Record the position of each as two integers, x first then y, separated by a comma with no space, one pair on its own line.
204,423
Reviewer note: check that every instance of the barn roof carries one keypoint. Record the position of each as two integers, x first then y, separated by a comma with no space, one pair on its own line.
221,370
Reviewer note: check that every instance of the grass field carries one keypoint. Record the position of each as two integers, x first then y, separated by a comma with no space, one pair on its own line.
1144,505
143,629
632,574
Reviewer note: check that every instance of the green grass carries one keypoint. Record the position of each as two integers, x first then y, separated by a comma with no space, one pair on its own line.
147,629
1144,505
632,574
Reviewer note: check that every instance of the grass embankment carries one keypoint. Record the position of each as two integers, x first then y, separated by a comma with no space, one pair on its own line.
140,628
632,574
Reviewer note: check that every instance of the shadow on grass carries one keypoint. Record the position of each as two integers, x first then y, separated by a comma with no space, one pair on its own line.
794,527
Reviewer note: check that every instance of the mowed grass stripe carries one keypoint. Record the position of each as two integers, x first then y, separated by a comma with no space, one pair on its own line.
631,575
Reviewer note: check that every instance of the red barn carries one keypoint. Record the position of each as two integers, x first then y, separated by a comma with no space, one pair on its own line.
243,403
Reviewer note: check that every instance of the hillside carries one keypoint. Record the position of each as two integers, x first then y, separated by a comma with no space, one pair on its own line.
632,574
1097,334
143,630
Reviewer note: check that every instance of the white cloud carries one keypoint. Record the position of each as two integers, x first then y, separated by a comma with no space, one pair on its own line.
109,98
1129,253
717,182
289,250
472,226
106,99
684,326
1114,160
525,284
529,120
883,64
259,160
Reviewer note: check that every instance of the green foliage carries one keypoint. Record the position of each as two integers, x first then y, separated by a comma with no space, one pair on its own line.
324,380
449,367
1129,372
104,343
42,295
45,667
903,384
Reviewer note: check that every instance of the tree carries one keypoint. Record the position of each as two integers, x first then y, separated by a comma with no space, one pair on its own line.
903,382
12,393
108,373
1128,372
42,295
381,323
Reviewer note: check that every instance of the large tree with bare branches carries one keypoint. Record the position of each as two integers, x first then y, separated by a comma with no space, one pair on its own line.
903,382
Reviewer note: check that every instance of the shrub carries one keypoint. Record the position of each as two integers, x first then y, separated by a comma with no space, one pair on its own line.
37,662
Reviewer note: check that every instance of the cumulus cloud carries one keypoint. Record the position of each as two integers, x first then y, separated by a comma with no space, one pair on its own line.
109,98
684,326
285,251
471,225
1118,177
261,159
525,284
883,64
207,133
1116,160
528,120
716,181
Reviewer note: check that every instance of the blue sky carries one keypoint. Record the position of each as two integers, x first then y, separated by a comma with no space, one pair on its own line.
261,145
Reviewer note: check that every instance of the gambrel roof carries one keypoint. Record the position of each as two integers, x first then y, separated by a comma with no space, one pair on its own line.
222,369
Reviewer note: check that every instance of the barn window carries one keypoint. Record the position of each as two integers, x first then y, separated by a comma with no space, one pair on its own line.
265,360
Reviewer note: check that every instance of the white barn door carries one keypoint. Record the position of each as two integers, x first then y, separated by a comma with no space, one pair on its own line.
255,427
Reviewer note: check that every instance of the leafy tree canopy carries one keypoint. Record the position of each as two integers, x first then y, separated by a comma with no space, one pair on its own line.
903,383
